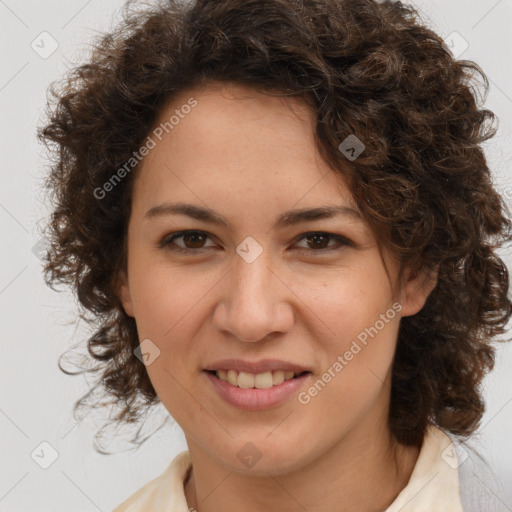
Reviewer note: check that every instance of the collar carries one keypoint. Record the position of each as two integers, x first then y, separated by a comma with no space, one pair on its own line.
434,481
433,484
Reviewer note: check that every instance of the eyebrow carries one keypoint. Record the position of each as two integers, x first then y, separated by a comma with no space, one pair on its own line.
288,218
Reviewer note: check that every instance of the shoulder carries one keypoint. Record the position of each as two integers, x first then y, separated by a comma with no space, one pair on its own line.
164,493
480,488
450,476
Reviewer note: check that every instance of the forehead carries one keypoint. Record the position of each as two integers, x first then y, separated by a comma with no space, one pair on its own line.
238,146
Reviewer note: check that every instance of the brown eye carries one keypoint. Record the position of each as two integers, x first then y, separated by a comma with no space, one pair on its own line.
194,240
190,241
318,240
318,243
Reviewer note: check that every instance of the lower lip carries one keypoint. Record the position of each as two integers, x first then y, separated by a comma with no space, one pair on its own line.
257,399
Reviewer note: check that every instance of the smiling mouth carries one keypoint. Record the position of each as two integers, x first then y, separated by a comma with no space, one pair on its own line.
247,380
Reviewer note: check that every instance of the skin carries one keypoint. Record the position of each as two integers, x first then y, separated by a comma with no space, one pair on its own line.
251,157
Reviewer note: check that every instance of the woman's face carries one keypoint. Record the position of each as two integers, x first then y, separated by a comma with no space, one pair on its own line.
255,288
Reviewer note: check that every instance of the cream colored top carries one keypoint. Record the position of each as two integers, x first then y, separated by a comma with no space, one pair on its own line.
433,485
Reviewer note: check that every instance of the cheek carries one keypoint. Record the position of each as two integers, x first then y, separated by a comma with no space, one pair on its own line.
355,377
165,298
361,321
347,302
168,311
168,308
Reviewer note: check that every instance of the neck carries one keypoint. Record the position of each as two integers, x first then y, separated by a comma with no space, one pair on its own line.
364,471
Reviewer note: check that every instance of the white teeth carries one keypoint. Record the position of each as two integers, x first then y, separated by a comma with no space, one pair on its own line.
232,377
263,380
247,380
277,377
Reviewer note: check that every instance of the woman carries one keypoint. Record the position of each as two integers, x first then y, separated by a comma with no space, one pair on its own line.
281,216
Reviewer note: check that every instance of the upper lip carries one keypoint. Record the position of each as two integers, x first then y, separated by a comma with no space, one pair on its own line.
262,366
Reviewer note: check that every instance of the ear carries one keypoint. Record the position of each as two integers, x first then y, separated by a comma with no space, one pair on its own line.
123,293
416,288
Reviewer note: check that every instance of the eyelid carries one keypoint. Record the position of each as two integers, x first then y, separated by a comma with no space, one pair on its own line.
170,237
340,239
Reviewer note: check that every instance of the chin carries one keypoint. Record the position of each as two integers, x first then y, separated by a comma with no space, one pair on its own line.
262,456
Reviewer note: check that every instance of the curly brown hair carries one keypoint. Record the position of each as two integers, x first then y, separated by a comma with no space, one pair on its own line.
368,68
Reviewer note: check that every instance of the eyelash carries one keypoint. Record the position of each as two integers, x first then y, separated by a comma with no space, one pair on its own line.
166,242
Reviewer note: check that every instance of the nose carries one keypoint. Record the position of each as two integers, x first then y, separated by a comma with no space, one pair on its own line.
255,302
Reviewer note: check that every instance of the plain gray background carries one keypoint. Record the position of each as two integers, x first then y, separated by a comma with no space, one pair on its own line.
37,324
